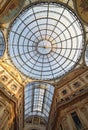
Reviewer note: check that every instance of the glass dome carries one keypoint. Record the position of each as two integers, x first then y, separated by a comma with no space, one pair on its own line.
38,99
46,41
2,44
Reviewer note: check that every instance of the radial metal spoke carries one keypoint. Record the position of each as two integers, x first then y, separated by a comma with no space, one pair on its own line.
18,34
67,58
58,63
28,27
68,38
59,18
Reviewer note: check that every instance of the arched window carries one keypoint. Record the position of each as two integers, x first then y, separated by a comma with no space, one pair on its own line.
77,121
2,44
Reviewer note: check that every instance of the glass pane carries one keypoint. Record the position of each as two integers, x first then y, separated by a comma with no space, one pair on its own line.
77,121
2,44
86,55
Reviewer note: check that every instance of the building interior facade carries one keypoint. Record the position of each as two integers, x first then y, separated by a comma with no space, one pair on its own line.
43,64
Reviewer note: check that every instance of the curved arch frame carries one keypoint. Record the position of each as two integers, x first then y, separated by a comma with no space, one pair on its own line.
2,44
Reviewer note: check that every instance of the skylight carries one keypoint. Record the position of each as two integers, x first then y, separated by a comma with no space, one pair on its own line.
86,55
46,41
2,44
38,99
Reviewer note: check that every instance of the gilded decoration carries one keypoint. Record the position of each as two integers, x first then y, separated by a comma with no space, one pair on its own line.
11,70
9,9
82,9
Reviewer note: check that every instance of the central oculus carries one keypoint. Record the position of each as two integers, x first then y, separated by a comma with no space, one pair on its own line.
44,47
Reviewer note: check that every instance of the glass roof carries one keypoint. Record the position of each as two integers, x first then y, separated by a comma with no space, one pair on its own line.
86,55
38,99
2,44
46,41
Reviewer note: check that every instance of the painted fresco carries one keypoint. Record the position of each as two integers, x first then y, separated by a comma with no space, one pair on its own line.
82,9
9,9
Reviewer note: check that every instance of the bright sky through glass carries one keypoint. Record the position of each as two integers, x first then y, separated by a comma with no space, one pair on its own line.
86,55
46,41
2,44
38,99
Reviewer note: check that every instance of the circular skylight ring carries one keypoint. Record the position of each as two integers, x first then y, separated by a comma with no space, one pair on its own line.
2,44
46,47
